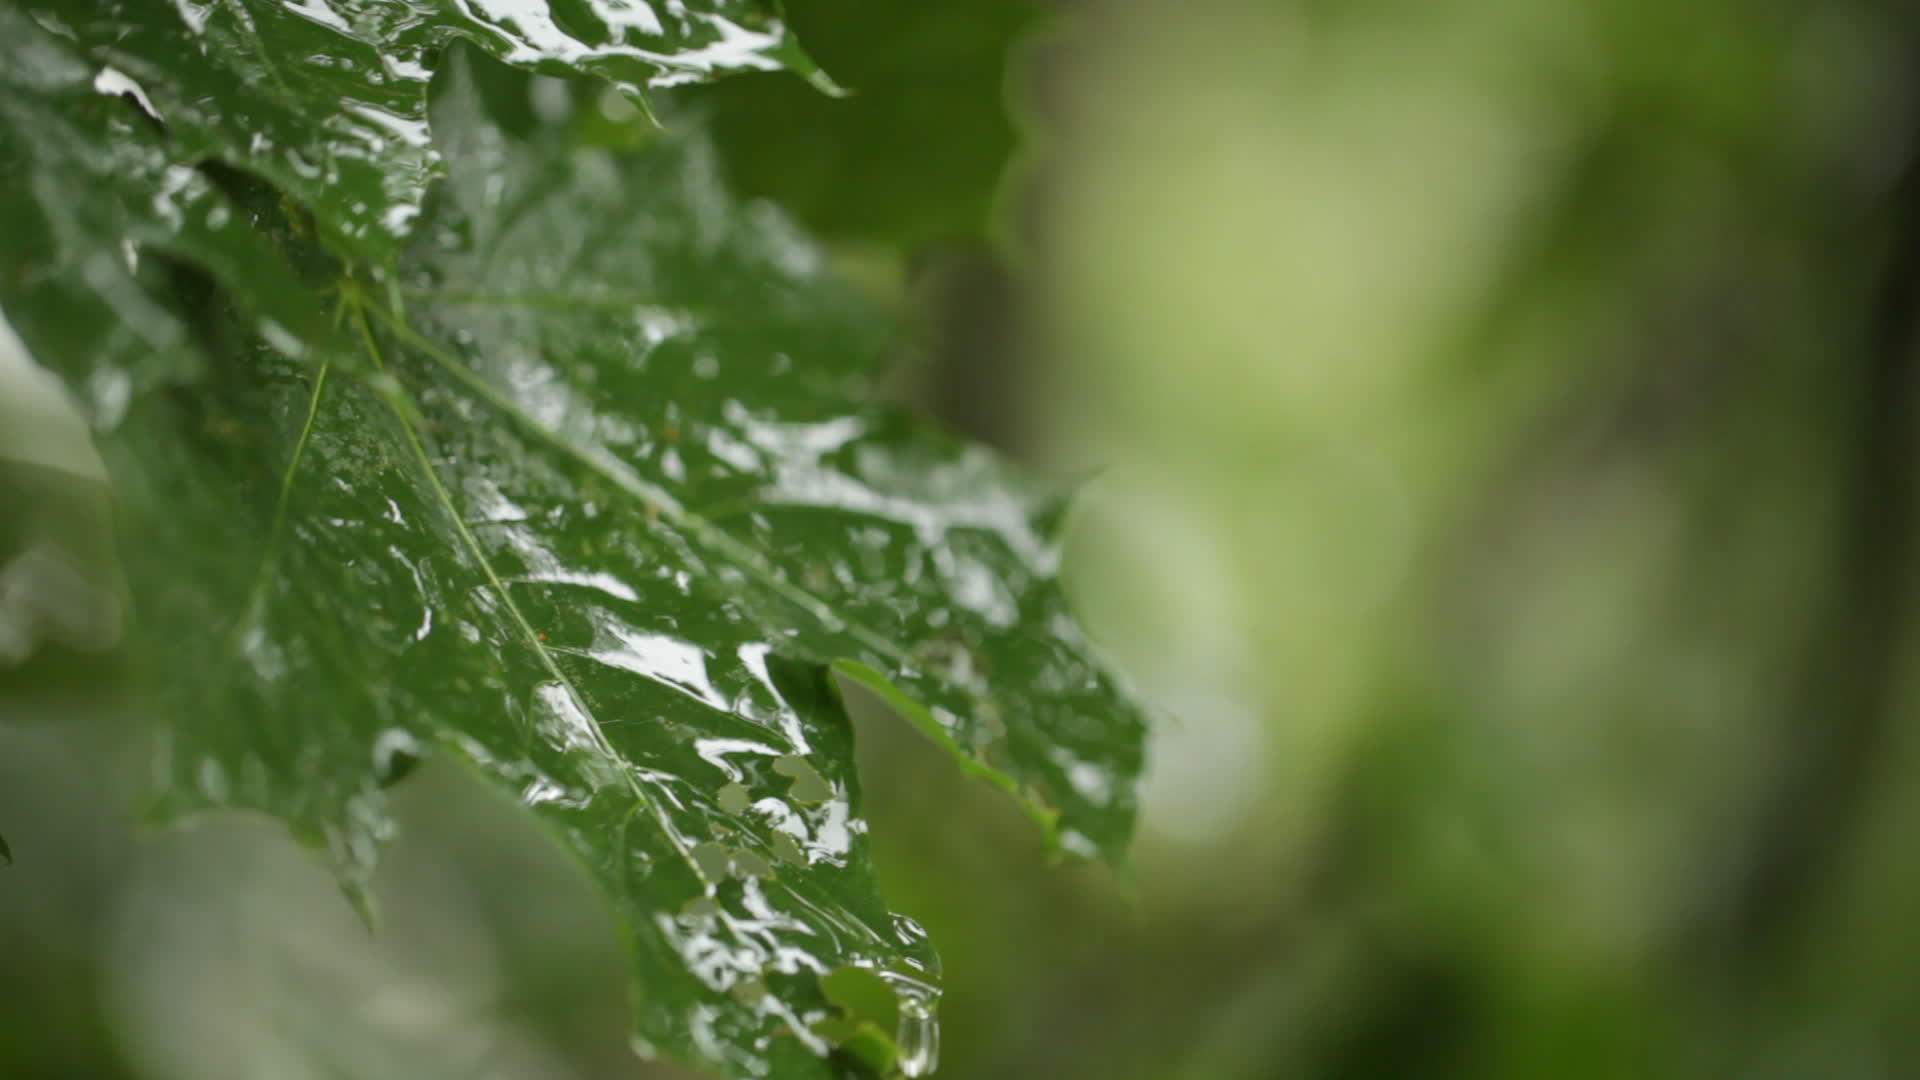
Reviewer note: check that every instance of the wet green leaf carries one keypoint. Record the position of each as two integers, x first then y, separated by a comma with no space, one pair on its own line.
328,98
91,194
695,358
585,490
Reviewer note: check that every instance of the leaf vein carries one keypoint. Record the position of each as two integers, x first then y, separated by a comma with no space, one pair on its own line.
518,618
734,550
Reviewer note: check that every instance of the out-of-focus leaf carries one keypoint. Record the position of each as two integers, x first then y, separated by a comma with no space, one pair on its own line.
328,98
587,495
869,1024
60,580
913,153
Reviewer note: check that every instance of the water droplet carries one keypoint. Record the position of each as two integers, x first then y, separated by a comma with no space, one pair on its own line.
749,991
787,849
918,1033
713,860
808,786
396,753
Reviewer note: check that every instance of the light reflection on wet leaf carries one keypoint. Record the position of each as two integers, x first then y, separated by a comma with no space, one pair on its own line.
585,491
328,98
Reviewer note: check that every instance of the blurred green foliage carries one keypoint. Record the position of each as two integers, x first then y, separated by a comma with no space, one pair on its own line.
1510,412
912,153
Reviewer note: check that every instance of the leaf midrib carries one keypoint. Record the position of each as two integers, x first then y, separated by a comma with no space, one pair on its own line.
741,555
524,628
749,561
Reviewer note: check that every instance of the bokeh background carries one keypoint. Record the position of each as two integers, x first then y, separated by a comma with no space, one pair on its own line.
1497,421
